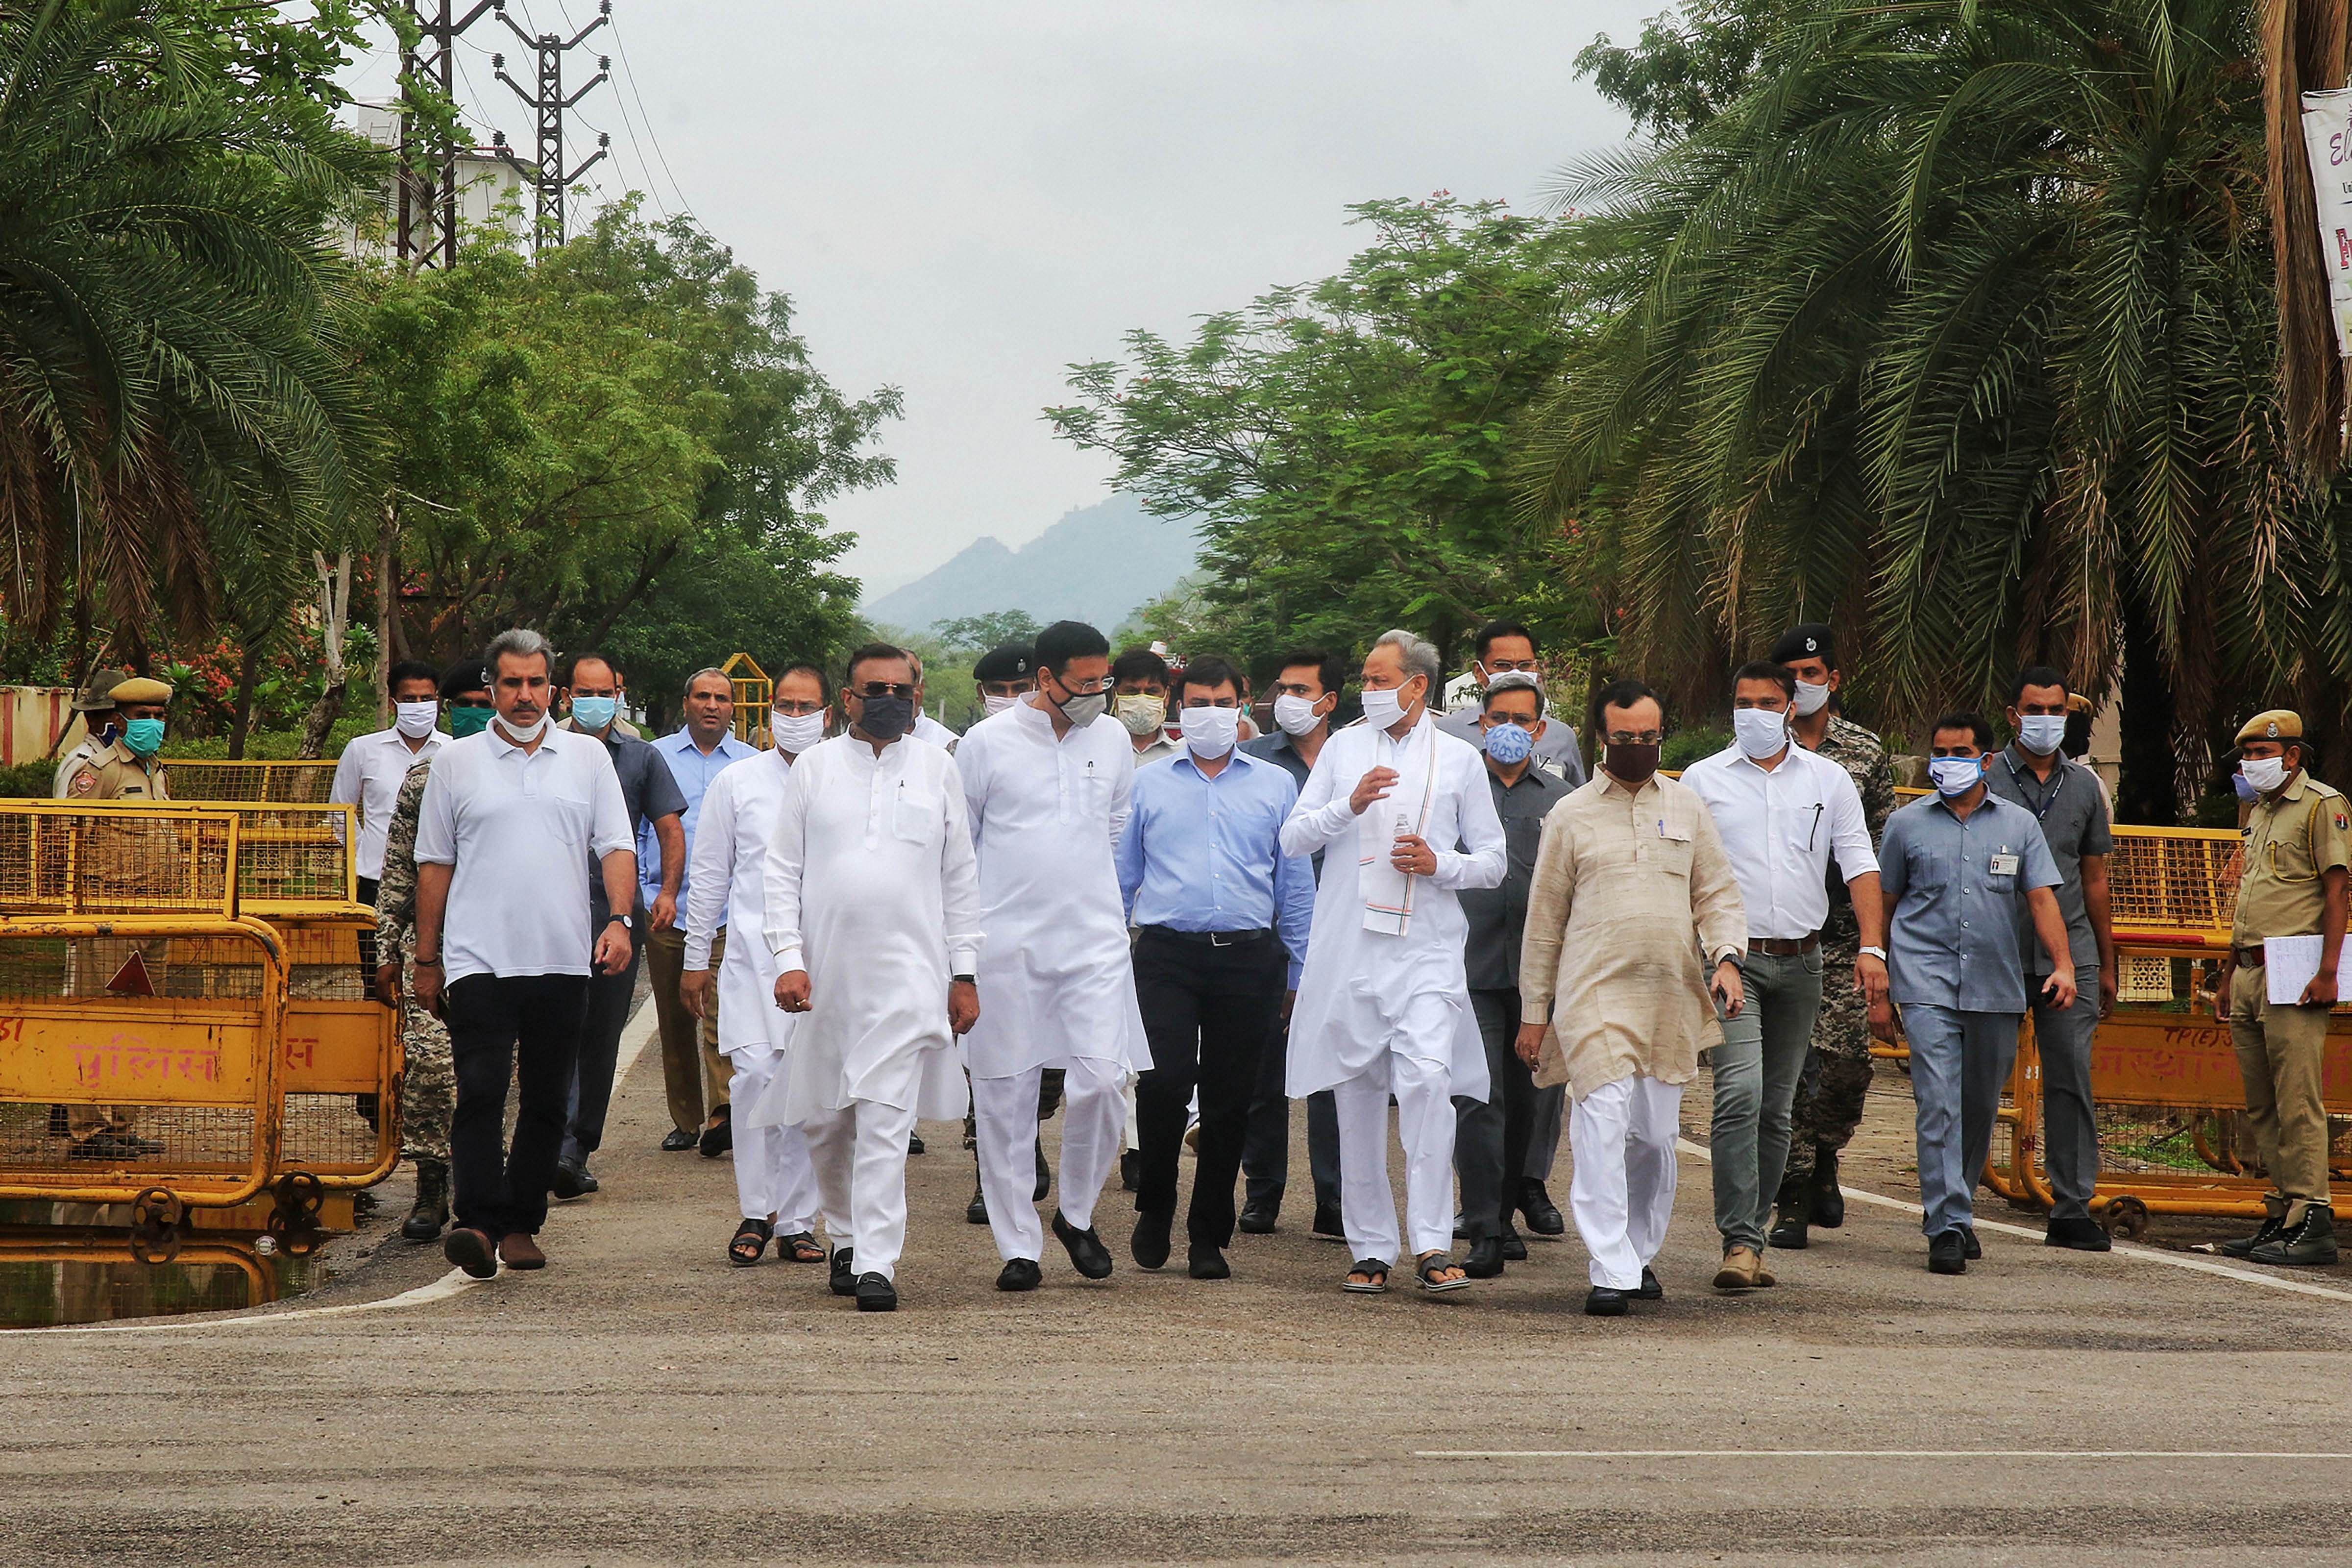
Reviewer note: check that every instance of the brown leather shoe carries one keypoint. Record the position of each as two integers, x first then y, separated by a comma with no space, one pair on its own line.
1739,1270
520,1249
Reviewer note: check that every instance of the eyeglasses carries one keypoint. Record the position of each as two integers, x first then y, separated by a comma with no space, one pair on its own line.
1511,666
1637,738
1090,689
797,708
887,688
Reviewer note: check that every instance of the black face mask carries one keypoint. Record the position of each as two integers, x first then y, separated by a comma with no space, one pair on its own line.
1630,764
886,717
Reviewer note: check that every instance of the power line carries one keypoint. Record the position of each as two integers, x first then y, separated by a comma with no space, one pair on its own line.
630,71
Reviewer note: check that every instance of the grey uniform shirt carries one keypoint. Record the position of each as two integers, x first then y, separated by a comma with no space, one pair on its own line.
1555,750
2072,812
1957,890
1498,915
649,790
1277,749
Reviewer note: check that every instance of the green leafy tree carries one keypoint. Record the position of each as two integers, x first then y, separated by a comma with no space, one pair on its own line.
978,634
1687,64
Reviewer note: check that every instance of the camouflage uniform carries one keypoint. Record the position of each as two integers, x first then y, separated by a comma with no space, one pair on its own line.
428,1083
1837,1069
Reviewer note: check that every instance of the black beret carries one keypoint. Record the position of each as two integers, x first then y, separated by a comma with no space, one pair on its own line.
1811,640
1011,661
469,674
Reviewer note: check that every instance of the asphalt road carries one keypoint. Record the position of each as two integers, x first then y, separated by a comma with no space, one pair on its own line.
642,1402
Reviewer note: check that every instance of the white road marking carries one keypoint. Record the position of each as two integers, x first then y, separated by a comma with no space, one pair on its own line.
1864,1454
2122,1249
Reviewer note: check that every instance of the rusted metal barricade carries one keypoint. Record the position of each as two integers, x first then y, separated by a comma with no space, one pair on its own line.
304,782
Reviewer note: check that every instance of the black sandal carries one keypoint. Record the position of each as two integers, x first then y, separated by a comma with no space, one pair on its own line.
1376,1278
751,1243
802,1246
1430,1265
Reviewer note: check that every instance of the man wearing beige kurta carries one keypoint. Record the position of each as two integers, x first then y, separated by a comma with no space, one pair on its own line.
1631,885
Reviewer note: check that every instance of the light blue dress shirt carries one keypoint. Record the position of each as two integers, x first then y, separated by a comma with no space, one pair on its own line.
693,771
1955,892
1202,854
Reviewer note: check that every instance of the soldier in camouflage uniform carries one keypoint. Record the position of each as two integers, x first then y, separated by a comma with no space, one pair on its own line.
428,1084
1837,1069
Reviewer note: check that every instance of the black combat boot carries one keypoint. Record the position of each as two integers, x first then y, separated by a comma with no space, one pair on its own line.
1793,1209
2273,1222
1829,1204
2309,1244
431,1210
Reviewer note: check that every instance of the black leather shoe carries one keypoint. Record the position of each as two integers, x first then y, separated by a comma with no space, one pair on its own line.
1976,1248
1485,1258
1601,1301
915,1143
876,1294
719,1136
2081,1233
431,1211
1209,1263
2272,1227
1949,1253
2308,1244
1650,1290
1087,1254
1788,1233
1149,1246
1327,1223
1021,1274
1045,1176
1259,1218
1460,1228
841,1278
1543,1215
1130,1171
1828,1203
976,1211
1515,1246
571,1181
677,1142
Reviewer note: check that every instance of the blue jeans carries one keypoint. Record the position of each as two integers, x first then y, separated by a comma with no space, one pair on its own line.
1959,1061
1756,1072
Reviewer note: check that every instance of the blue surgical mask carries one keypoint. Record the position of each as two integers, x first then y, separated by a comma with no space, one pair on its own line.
1509,744
1955,776
595,712
2042,733
143,736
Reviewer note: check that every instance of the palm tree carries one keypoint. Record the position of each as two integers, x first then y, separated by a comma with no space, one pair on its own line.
1958,326
176,421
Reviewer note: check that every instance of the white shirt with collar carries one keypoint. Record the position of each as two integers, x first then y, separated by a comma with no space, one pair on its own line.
521,830
1781,826
368,775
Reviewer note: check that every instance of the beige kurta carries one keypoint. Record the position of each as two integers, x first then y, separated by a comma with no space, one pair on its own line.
1629,886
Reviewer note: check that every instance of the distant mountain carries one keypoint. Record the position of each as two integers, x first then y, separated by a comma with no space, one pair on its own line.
1099,564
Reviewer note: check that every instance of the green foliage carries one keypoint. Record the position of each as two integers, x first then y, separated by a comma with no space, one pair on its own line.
978,634
27,781
1346,443
1688,65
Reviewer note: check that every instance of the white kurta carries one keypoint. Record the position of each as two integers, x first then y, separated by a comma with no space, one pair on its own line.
726,887
1056,979
1358,991
869,887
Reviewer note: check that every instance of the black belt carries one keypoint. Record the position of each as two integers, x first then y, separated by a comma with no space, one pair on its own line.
1212,938
2248,957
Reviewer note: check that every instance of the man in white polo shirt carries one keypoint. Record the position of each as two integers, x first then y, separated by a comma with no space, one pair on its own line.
370,773
509,822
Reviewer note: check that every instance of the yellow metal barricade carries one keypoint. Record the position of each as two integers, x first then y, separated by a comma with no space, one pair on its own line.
755,695
287,783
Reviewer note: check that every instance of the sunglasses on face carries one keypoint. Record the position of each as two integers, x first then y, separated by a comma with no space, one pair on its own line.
886,689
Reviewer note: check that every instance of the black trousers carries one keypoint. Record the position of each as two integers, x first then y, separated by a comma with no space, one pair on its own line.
1265,1149
1212,1013
527,1024
591,1096
1490,1138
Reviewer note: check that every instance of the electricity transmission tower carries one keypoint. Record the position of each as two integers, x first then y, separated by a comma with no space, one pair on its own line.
548,175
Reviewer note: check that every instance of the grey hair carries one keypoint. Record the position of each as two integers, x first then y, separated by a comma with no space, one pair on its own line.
1516,681
521,642
1418,655
687,691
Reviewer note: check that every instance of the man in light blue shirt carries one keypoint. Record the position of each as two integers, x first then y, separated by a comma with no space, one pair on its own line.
693,1070
1221,917
1955,868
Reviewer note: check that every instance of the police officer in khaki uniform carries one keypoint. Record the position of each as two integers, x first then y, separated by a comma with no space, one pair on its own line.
99,722
2298,842
125,768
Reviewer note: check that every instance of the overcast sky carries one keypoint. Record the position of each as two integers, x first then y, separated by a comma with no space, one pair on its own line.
963,196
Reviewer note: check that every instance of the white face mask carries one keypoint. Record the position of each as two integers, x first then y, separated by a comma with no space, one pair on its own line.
1384,709
1811,698
414,720
2041,733
1210,732
795,732
524,737
1761,732
991,703
1297,715
1955,775
2267,774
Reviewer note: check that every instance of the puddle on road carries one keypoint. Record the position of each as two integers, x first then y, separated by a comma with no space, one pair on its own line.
51,1274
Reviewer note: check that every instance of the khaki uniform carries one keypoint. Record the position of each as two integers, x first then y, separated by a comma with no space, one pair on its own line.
115,771
110,771
71,765
2291,839
428,1083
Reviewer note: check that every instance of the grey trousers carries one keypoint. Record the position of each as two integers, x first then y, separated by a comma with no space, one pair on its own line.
591,1095
2070,1126
1756,1071
1959,1063
1490,1135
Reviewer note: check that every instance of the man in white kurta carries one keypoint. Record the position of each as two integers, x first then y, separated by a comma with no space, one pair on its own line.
775,1186
1047,783
873,916
1405,818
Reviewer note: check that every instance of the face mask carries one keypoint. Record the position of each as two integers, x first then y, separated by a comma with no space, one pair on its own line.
1384,709
2244,788
1509,746
991,703
886,717
1141,715
1955,776
465,722
525,737
595,712
796,732
1295,715
2042,733
414,720
1084,711
1811,698
2265,773
1630,764
143,736
1210,732
1761,733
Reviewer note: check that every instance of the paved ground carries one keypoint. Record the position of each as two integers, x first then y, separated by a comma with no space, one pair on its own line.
641,1403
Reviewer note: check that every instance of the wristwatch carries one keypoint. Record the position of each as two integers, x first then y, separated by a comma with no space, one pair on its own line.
964,979
1877,953
625,924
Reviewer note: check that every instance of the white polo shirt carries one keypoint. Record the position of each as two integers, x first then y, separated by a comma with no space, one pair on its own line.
1782,828
521,830
368,775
